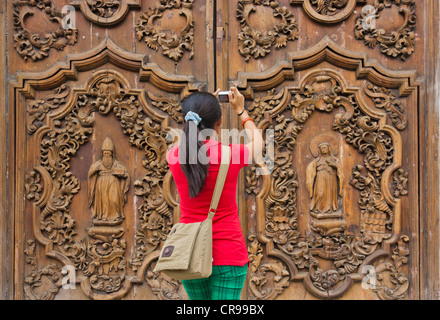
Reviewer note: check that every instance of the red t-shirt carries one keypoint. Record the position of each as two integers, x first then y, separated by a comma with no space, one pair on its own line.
228,244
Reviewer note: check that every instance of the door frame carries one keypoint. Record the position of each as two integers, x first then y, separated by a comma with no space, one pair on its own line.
429,158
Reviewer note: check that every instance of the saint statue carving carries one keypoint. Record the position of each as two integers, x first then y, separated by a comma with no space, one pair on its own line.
322,176
108,186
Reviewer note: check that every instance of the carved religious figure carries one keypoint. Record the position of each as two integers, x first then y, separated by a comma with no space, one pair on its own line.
322,176
108,186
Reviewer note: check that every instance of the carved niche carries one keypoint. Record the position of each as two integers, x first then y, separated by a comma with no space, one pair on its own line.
31,45
173,43
105,12
105,261
317,237
256,43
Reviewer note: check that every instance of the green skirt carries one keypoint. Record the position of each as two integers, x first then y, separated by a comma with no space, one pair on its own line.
225,283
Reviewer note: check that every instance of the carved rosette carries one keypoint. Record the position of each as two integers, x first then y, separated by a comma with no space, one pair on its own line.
328,11
175,44
256,44
305,254
33,46
397,43
105,12
105,9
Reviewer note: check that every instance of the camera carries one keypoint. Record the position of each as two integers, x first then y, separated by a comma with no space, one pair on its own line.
223,96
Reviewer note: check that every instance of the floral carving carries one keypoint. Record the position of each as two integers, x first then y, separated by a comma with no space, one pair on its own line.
168,105
38,109
32,46
263,286
400,182
33,186
173,45
391,282
256,44
400,42
328,7
376,214
386,99
41,284
163,286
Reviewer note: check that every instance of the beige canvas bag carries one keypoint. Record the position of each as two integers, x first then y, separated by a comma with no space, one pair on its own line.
187,252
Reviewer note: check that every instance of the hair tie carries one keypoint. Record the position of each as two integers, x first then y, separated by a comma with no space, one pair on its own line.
192,116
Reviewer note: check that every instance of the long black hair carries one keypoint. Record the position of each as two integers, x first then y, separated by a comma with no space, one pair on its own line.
192,150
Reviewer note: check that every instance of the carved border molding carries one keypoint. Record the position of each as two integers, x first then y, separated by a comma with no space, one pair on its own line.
32,46
256,44
106,12
62,128
173,46
276,235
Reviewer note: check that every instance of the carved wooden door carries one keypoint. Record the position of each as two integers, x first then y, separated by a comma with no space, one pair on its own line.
96,90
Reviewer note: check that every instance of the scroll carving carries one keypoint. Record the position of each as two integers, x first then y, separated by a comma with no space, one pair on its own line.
400,182
33,46
173,45
163,287
256,44
376,214
400,42
38,109
33,186
386,99
390,272
41,284
105,12
263,286
328,240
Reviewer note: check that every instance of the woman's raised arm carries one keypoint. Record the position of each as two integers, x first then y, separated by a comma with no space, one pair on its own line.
256,144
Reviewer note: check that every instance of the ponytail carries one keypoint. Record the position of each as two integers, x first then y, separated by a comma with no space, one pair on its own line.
201,111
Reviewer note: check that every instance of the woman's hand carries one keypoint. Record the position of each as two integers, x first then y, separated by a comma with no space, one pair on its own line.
236,100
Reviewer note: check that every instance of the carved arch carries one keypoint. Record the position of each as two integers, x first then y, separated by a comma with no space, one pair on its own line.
106,13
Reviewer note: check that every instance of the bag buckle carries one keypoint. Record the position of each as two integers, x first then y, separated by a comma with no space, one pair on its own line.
211,212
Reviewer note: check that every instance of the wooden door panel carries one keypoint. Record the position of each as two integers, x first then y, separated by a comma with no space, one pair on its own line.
92,135
314,73
108,231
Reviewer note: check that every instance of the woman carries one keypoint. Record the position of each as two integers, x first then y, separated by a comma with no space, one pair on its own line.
195,164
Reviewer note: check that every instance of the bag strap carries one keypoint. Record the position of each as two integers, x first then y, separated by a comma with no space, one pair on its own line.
222,173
